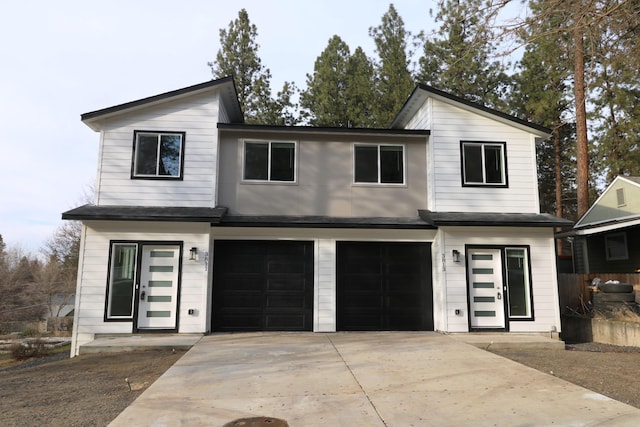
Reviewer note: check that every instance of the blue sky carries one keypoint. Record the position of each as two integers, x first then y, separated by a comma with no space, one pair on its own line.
64,58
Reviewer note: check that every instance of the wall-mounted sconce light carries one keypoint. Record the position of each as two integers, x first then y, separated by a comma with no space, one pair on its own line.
193,254
456,255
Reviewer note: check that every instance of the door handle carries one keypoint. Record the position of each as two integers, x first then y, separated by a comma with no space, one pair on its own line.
499,295
142,295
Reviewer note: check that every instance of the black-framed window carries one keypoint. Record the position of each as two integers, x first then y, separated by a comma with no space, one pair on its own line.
123,261
484,163
518,270
158,155
378,163
269,161
616,246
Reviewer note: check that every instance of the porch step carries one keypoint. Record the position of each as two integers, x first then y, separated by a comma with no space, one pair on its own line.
486,341
117,343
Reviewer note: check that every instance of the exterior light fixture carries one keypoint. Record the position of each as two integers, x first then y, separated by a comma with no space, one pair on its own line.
456,255
193,254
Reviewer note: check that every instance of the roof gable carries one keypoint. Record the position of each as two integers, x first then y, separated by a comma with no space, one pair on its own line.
225,86
423,92
619,201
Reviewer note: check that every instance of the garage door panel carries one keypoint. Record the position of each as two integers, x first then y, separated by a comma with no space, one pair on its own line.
384,286
293,302
262,285
285,283
241,300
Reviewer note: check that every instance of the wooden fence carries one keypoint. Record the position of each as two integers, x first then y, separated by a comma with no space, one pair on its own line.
574,292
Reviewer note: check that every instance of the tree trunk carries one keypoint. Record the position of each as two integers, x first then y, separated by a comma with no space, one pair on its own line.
582,151
557,163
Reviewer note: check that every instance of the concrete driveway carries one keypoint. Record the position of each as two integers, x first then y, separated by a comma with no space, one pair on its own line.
363,379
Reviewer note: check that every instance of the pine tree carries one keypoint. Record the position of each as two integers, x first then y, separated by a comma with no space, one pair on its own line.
458,58
238,57
541,94
325,100
393,78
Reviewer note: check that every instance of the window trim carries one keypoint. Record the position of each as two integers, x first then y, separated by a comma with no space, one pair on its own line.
623,257
158,133
505,174
107,303
379,182
527,251
269,180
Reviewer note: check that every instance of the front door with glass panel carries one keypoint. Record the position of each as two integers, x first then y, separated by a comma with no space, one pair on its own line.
158,287
486,289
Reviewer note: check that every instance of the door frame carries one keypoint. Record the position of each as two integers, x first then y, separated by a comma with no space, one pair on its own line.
505,315
136,289
136,306
505,288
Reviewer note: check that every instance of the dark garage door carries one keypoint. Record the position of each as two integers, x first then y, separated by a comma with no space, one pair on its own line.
262,286
384,286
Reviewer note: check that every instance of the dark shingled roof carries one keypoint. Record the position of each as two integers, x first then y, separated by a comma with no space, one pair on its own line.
439,219
146,213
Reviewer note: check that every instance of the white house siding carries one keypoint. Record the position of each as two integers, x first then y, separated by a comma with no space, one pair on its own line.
324,256
439,284
94,258
543,273
449,126
197,116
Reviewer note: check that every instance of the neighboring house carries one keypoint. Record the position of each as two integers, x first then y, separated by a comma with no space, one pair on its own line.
605,238
202,223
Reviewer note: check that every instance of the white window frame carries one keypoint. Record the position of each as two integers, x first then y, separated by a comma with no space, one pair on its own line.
608,241
269,180
379,181
503,163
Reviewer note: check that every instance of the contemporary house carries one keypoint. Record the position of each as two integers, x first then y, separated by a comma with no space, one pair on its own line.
604,239
203,223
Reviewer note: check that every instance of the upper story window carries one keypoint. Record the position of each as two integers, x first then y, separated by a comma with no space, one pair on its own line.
378,164
483,163
158,154
269,161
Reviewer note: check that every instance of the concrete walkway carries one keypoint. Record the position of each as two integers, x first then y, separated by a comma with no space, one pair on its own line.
363,379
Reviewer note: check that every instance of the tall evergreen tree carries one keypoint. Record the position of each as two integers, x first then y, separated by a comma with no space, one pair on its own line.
458,58
542,94
238,57
360,90
393,78
325,100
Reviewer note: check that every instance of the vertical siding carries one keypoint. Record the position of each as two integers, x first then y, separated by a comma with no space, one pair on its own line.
449,126
543,273
326,286
197,116
90,300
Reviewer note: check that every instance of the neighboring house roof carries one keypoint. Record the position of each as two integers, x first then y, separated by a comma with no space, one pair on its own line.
321,130
617,207
495,219
145,213
225,85
422,92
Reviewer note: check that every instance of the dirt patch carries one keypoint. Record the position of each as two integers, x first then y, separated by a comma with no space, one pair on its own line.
603,368
88,390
